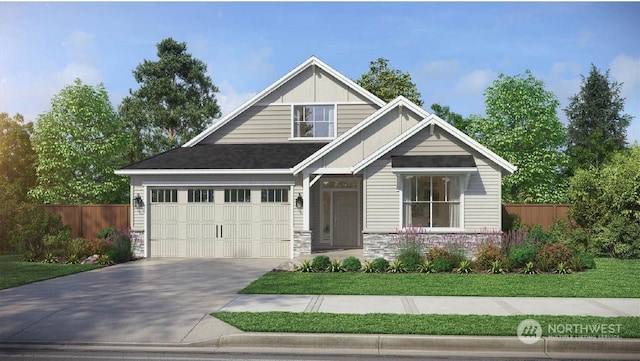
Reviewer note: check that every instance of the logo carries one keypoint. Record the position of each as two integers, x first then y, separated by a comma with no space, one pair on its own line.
529,331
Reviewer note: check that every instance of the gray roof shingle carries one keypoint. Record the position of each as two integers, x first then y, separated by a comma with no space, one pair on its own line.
230,156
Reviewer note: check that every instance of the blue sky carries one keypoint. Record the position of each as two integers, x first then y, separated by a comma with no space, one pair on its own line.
453,51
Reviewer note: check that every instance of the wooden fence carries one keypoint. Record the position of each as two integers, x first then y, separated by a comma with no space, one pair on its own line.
87,220
532,214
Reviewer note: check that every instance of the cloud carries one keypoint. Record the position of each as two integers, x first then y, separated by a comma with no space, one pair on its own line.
439,69
476,82
228,99
626,70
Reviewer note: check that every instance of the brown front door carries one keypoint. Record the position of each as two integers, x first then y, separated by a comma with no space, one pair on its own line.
345,219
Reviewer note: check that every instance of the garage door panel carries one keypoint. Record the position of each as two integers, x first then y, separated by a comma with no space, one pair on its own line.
219,229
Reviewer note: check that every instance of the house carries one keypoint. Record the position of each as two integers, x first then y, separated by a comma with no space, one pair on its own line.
314,162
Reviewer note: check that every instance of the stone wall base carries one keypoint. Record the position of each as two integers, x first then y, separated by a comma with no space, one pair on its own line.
386,245
301,243
137,243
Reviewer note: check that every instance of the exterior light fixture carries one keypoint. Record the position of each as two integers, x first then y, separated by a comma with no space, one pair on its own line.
299,201
137,200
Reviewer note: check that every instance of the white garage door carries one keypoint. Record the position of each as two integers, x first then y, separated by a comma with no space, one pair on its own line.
220,222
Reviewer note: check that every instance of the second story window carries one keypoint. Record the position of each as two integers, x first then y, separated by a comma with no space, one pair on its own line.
314,121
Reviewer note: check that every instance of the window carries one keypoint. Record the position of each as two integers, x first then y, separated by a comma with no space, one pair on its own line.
164,195
237,195
200,195
275,195
314,121
431,201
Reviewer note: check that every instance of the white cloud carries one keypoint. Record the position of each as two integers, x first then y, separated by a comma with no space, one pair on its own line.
626,69
476,82
228,99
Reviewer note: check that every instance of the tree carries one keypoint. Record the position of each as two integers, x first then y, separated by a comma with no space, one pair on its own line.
175,102
388,83
461,123
79,144
17,157
522,127
605,205
597,129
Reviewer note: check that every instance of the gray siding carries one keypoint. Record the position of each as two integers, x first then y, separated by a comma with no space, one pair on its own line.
352,114
482,200
137,214
381,198
258,124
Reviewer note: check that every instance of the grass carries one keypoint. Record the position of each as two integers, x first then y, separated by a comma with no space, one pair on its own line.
14,272
470,325
612,278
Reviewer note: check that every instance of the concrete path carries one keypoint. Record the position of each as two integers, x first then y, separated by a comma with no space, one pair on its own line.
500,306
151,301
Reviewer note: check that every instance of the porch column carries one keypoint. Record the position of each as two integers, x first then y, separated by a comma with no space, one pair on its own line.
306,200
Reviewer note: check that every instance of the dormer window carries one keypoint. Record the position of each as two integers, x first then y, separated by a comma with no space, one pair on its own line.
314,121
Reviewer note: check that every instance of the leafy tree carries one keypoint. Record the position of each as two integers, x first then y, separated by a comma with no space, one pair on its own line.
388,83
17,157
597,128
175,102
463,124
79,144
605,205
522,127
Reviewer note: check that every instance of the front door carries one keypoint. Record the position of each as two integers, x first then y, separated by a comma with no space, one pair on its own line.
345,219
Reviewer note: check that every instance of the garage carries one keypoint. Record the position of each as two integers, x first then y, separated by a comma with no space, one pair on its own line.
220,222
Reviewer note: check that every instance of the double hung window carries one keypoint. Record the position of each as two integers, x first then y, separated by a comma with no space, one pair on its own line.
314,121
431,201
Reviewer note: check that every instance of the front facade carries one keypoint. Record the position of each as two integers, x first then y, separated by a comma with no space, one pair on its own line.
314,162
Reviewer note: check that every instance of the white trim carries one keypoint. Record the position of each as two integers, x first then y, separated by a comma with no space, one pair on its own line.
332,171
278,83
335,122
428,121
131,172
147,223
435,170
291,222
306,217
311,139
356,129
314,180
210,183
308,103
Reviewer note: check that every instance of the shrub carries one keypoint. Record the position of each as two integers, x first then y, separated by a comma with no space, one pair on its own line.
438,252
562,268
539,236
320,263
442,265
305,266
351,264
464,267
335,266
581,261
105,232
519,256
367,267
410,245
76,249
34,224
487,254
496,267
380,264
97,246
529,269
57,243
426,267
396,267
551,254
121,250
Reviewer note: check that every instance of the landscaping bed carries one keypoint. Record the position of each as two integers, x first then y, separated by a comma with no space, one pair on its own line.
15,272
611,278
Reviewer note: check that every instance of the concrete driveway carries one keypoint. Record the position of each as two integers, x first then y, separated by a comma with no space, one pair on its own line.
158,301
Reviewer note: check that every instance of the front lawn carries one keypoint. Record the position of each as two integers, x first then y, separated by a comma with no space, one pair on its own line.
611,278
14,272
470,325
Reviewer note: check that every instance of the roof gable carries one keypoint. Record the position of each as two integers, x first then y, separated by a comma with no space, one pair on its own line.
312,61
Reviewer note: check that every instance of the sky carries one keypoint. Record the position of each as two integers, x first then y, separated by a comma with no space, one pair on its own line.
452,50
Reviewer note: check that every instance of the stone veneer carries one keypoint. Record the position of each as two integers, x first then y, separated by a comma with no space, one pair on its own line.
384,245
137,243
301,243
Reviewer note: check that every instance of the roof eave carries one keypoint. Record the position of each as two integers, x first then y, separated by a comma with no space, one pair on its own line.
134,172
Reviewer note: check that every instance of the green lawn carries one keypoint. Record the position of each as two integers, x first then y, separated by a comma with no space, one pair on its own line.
14,272
611,278
471,325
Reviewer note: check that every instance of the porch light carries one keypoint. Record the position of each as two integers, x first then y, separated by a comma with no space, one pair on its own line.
299,201
139,203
